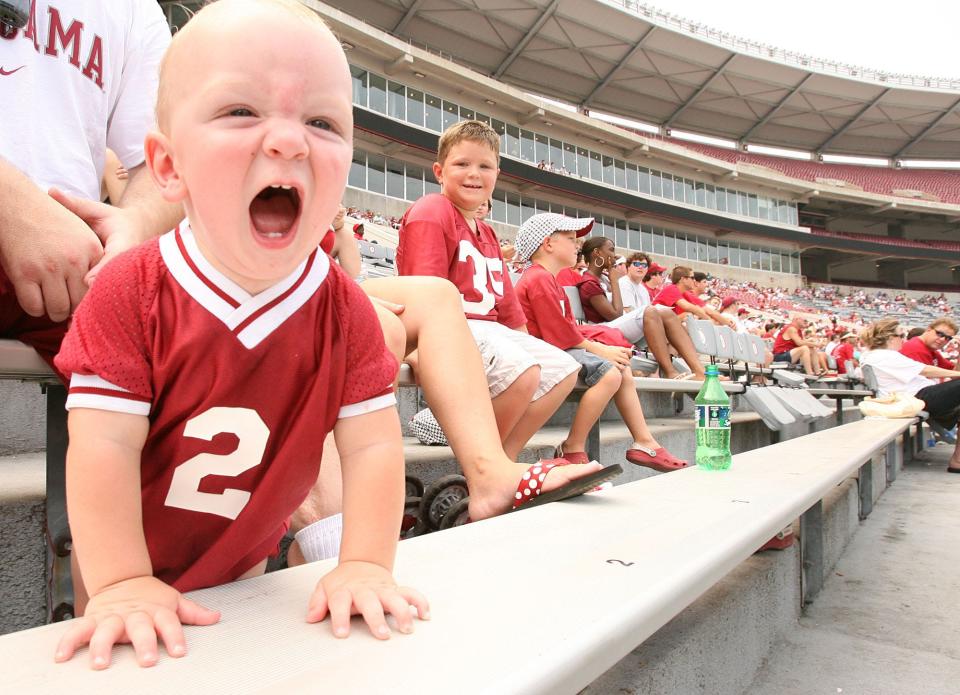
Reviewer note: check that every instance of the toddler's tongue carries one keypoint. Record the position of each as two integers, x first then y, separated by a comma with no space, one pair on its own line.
273,212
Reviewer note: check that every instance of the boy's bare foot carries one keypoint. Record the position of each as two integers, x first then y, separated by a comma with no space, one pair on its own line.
494,493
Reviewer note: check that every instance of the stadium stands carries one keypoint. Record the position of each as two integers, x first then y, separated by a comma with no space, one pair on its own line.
890,241
942,185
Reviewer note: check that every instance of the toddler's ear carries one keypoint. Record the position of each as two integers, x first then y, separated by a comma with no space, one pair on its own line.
160,163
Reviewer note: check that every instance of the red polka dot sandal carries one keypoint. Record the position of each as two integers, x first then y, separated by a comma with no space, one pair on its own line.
530,490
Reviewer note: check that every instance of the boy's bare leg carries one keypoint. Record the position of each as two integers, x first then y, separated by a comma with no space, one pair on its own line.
510,404
537,414
802,354
628,403
452,377
589,410
680,340
656,338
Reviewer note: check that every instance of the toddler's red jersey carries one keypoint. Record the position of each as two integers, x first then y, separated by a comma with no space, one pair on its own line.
240,391
435,239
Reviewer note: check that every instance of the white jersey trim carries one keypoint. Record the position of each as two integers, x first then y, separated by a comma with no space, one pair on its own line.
99,402
263,326
94,381
233,316
368,406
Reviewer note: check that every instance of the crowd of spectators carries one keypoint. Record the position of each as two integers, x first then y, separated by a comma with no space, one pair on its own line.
374,217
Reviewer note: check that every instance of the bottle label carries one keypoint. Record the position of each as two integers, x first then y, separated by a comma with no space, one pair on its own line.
713,417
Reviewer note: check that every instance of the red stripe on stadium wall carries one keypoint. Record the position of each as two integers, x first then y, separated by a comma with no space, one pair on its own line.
267,307
203,278
94,391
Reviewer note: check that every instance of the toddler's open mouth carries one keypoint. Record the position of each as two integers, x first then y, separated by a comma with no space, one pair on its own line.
275,210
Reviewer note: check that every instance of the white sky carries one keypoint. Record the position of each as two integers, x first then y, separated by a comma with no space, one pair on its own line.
914,37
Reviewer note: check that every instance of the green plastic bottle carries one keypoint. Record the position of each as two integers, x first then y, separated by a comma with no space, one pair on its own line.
712,409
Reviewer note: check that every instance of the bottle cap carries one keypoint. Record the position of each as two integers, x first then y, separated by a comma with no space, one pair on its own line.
712,370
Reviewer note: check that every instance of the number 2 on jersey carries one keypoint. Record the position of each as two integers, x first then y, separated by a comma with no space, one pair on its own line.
252,434
483,269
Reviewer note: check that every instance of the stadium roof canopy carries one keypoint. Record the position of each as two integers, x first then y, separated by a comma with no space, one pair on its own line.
628,59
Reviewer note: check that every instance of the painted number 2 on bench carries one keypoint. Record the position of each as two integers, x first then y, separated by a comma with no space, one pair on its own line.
712,409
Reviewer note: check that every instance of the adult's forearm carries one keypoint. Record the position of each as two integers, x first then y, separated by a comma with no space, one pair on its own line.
20,199
153,215
938,373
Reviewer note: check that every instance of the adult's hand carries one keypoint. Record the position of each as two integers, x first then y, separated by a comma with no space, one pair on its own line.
115,227
45,255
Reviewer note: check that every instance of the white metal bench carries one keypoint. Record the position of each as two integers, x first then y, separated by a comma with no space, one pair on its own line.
542,601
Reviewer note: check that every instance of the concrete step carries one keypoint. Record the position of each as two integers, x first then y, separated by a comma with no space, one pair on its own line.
22,544
655,405
22,417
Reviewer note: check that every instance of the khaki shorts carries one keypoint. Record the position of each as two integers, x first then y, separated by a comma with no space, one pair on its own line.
507,354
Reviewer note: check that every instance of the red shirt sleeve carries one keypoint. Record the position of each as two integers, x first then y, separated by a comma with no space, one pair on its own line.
693,299
667,296
108,335
916,350
547,314
589,287
424,247
372,367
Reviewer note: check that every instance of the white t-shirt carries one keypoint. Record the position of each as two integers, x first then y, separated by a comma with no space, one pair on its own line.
896,372
633,295
80,77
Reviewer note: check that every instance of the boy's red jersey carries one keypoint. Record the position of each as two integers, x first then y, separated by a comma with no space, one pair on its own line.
435,239
239,390
550,315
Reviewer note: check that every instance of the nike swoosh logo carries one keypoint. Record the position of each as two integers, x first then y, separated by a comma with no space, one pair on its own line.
4,73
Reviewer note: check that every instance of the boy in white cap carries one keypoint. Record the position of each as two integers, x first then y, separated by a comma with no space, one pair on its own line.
548,240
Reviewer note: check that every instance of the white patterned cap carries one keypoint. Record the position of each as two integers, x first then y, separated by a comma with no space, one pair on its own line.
539,227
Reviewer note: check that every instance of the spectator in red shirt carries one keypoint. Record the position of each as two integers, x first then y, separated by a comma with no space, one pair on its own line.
790,346
653,280
679,296
926,347
844,352
549,241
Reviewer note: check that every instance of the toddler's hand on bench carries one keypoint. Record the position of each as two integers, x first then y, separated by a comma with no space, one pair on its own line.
134,610
367,589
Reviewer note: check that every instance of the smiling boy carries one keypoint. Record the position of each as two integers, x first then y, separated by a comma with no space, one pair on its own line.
441,236
208,365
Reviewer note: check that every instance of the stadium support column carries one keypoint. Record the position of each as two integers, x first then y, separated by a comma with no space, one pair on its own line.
892,273
956,275
816,268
